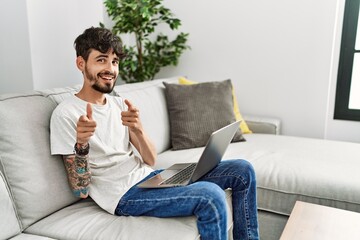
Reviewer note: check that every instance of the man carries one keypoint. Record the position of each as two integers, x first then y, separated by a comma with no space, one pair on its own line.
96,133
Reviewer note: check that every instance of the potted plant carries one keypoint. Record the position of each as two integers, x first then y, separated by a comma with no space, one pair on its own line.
150,53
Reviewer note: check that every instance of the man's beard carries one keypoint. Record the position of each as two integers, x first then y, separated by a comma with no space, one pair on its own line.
107,88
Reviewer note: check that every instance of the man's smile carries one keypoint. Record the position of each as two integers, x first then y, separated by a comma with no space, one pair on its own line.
107,76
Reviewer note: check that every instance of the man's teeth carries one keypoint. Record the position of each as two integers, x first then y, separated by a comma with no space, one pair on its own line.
106,77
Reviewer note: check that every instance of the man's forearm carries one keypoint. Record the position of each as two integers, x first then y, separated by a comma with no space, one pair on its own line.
145,147
79,175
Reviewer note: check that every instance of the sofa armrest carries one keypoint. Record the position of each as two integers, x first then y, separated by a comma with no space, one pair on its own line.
269,125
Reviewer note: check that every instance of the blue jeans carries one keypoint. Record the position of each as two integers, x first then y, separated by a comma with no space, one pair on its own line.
205,199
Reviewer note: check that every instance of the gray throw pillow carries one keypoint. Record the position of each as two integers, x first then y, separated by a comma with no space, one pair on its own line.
197,110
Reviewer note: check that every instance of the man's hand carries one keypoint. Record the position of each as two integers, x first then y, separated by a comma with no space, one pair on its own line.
85,127
130,118
138,137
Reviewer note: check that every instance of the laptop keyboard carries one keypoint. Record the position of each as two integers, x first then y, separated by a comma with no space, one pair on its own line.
181,176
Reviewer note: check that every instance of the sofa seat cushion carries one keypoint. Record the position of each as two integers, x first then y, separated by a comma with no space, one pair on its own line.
293,168
85,220
311,170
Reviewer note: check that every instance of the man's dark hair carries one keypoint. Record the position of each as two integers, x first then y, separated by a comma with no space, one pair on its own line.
100,39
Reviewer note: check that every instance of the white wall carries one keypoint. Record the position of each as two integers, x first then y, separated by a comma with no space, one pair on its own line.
281,55
15,59
53,27
37,41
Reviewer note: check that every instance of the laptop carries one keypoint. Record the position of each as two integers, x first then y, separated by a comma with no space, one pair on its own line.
182,174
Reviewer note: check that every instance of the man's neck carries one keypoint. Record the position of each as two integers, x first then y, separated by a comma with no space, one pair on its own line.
92,96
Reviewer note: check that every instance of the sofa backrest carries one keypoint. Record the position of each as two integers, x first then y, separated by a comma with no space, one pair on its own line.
149,98
36,179
9,225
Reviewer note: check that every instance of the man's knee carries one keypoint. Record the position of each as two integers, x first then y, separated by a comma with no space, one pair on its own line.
212,194
244,171
250,170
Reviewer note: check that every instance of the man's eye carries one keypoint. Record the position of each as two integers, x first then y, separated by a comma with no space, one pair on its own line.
101,60
116,62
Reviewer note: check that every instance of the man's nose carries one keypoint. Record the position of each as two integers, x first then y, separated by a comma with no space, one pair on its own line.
109,65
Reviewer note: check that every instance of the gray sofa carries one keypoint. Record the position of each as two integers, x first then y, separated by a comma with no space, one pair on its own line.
36,202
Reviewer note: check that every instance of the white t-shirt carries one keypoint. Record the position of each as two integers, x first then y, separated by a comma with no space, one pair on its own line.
114,166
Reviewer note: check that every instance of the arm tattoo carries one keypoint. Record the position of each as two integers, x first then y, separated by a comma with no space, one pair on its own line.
79,176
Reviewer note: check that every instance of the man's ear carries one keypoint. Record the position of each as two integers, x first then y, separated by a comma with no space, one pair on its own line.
80,63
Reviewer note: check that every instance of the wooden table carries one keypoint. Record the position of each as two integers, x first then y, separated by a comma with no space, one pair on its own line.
311,222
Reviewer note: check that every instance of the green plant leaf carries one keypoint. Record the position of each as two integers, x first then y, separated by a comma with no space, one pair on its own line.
140,18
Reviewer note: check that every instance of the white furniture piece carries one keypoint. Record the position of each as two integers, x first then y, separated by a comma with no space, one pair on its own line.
36,201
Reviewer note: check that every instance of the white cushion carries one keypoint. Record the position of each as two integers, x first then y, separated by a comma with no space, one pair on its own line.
85,220
24,236
293,168
8,222
37,180
57,95
149,98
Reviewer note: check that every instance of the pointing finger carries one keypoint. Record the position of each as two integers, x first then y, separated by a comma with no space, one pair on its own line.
130,106
89,111
128,103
